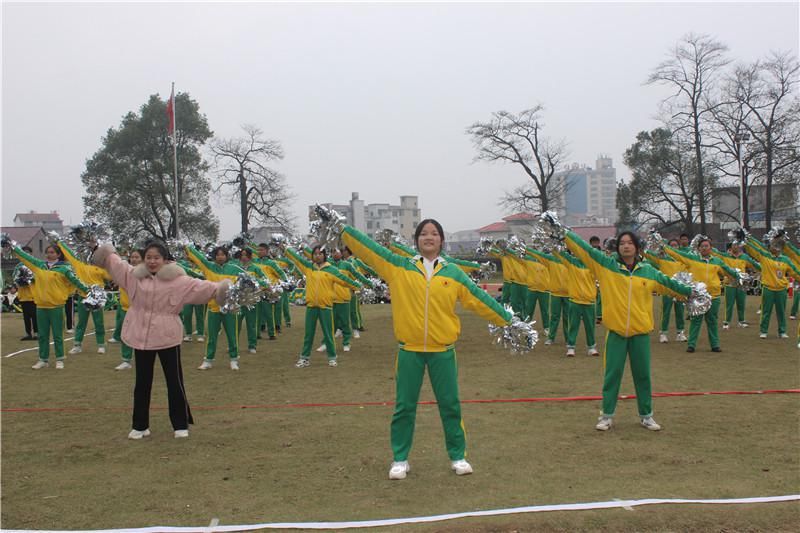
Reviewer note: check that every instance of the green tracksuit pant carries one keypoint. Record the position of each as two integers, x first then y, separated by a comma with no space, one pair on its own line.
341,321
48,320
443,371
711,319
269,315
323,315
199,313
795,302
541,298
737,296
581,313
287,316
127,351
599,306
518,294
248,317
559,310
770,299
228,322
83,321
617,349
356,319
505,294
667,302
119,317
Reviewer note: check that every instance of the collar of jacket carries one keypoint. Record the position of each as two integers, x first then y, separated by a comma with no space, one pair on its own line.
168,272
624,268
438,263
322,266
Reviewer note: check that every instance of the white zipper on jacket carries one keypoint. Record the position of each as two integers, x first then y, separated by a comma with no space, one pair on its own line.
425,325
630,293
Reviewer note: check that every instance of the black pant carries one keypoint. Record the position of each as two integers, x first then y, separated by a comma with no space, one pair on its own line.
179,413
29,317
69,311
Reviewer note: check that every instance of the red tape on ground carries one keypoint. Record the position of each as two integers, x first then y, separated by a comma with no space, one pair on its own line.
383,404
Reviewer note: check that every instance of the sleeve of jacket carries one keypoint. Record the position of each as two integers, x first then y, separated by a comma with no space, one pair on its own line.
351,267
121,271
594,259
401,249
301,263
670,287
755,248
479,302
380,259
29,261
201,261
341,279
466,266
363,266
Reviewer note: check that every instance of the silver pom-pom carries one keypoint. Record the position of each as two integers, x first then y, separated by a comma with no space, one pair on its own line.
272,292
516,246
7,244
776,237
484,246
485,272
84,237
699,302
177,247
245,292
328,226
549,233
96,298
367,296
23,276
654,243
738,236
519,336
695,242
379,292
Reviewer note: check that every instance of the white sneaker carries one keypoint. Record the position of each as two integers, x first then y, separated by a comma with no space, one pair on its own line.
187,338
181,433
338,333
792,317
783,336
662,338
399,469
356,334
604,423
251,350
135,434
346,348
570,352
101,349
725,325
112,340
70,331
200,338
205,365
461,467
332,362
40,365
59,365
762,335
681,337
76,349
321,347
744,325
650,424
235,364
548,342
546,332
123,366
302,363
593,352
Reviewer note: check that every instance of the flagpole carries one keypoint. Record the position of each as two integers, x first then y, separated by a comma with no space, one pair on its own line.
175,157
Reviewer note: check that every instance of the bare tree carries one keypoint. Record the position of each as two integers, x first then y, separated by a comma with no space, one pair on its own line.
241,165
691,69
517,139
767,89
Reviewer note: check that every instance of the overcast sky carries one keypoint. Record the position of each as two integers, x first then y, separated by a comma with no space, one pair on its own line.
372,98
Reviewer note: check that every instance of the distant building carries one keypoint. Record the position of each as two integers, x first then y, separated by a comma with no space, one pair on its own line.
519,224
590,193
462,242
785,208
371,218
48,221
264,233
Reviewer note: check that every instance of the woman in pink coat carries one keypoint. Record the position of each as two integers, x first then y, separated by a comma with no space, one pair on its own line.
157,289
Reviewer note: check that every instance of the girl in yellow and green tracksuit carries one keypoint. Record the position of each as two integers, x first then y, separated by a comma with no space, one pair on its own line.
25,297
198,312
775,271
288,269
321,278
134,258
582,301
669,267
537,280
509,273
89,275
793,253
734,294
708,269
217,271
249,315
269,313
55,281
627,287
559,294
343,296
425,290
355,306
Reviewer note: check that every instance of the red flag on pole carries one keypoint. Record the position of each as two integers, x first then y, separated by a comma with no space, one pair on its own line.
171,112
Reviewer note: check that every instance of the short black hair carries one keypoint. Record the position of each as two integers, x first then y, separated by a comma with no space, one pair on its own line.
421,225
263,245
58,251
594,238
219,249
160,247
27,249
635,238
321,249
685,235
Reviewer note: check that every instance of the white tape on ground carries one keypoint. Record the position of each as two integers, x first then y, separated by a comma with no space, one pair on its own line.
36,348
436,518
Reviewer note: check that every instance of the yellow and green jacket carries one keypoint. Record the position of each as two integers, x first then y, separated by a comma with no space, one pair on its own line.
627,294
342,294
320,280
424,311
743,262
793,253
775,269
709,271
581,284
271,269
559,279
510,269
667,265
54,284
24,294
212,271
537,277
363,268
87,273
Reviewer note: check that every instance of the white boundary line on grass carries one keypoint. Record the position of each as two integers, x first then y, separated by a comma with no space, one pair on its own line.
36,348
424,519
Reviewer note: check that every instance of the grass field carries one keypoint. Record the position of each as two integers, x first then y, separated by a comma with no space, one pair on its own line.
257,455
